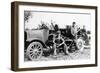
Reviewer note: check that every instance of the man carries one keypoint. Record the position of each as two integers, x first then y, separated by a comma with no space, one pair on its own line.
74,29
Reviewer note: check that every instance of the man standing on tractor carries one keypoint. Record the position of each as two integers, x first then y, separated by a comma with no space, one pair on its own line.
74,30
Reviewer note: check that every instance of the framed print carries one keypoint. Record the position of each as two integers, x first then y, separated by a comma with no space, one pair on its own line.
52,36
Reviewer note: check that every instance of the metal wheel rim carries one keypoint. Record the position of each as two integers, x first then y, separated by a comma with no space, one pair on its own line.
34,50
80,44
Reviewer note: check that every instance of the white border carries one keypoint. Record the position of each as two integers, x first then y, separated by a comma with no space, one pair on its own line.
33,64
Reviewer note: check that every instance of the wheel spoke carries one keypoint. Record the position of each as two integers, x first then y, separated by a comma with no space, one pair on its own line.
37,54
31,50
34,45
31,54
37,45
39,49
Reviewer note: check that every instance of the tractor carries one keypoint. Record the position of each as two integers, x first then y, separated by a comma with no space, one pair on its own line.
45,42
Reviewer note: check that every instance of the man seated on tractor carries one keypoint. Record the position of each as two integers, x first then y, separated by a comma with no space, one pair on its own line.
60,45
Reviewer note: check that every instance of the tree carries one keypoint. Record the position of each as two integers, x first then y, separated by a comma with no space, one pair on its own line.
27,14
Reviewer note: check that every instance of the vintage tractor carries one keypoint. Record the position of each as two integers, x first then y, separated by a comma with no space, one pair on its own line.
45,42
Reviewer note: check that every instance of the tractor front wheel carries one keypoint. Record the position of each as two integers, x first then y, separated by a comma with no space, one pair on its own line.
80,44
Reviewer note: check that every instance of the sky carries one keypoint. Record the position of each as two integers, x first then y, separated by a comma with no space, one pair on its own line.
62,19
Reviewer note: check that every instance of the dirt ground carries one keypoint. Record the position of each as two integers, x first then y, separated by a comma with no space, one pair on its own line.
71,56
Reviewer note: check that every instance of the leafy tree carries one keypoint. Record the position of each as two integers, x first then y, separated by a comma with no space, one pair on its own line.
27,14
